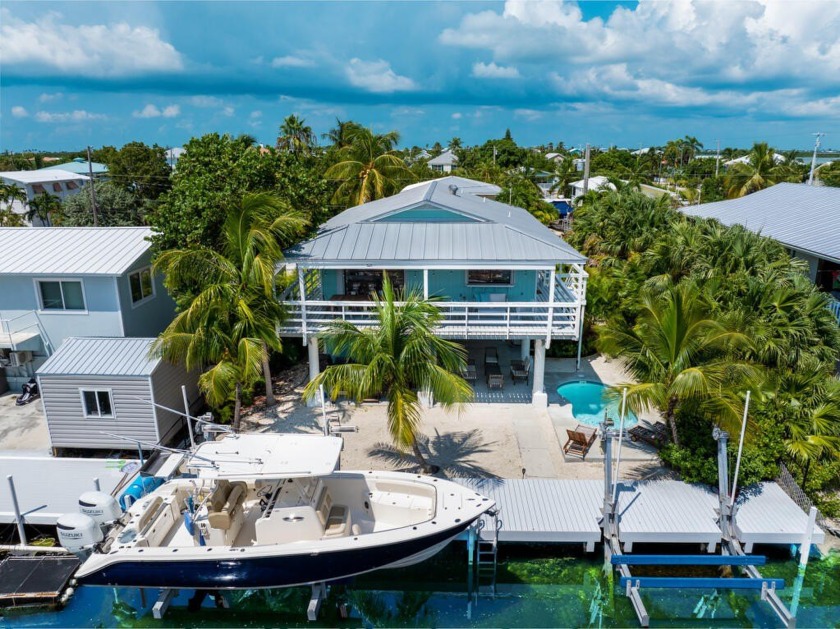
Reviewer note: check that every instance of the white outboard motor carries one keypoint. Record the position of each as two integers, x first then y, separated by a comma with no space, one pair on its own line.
78,533
102,507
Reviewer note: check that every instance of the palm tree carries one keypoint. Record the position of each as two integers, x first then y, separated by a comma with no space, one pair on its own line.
338,136
295,136
46,207
565,172
759,172
677,353
692,146
395,358
231,322
369,167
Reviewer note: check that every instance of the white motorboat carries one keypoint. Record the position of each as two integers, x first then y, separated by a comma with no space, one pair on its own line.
265,511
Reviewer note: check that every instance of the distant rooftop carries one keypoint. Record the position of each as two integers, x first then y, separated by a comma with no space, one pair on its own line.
447,158
595,183
101,357
45,175
80,167
802,217
464,185
71,250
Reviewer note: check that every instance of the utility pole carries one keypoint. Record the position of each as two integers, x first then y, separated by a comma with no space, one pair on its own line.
494,155
586,170
818,135
717,159
92,191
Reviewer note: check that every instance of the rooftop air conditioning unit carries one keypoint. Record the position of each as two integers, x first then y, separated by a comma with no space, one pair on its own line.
19,359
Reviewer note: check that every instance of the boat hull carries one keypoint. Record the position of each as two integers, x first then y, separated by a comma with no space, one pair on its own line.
277,571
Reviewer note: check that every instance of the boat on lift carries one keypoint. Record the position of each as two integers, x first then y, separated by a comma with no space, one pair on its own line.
266,511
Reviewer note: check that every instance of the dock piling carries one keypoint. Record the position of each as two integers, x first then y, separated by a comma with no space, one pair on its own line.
162,603
319,593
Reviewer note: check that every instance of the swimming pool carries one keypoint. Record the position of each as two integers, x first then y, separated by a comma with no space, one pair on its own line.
589,402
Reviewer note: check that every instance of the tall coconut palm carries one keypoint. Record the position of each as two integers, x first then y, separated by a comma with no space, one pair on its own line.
395,359
231,322
762,170
338,136
295,135
565,172
368,168
678,354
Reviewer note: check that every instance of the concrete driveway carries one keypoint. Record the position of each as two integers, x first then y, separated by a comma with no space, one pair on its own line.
23,427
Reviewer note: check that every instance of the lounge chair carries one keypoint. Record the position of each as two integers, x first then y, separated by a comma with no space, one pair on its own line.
491,356
580,440
469,373
656,434
495,379
520,370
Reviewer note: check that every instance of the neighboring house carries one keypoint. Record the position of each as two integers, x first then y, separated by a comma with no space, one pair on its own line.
555,157
55,181
778,158
499,274
59,282
463,186
94,386
445,162
80,166
595,183
805,219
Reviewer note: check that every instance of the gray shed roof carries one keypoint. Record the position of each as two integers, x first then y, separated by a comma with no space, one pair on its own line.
79,356
447,158
802,217
492,232
71,250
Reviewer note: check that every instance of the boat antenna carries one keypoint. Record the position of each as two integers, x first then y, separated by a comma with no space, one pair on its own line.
200,420
157,446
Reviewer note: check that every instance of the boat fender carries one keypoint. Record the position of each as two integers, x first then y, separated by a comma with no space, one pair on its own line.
139,488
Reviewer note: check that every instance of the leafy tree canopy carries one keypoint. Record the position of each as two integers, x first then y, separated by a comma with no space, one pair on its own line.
140,169
116,207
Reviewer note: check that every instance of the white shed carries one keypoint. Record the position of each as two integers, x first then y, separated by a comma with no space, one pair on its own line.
93,386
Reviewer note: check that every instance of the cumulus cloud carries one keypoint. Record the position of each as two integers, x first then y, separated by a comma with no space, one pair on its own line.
97,50
228,111
490,70
457,115
254,115
206,101
528,114
152,111
681,53
79,115
377,77
290,61
48,98
19,112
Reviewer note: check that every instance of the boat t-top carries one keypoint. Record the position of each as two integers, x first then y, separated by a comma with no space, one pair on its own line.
266,511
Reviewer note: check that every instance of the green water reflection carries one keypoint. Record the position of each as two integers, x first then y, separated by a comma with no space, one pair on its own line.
535,588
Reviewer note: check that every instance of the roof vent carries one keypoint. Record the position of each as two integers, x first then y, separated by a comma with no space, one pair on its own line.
453,189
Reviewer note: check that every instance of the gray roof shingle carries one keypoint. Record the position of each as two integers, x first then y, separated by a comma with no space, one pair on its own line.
802,217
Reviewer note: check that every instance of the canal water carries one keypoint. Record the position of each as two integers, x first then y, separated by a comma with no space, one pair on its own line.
537,586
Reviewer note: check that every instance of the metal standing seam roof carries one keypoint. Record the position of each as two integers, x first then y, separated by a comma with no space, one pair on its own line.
498,233
465,185
79,356
447,158
802,217
79,166
71,250
45,175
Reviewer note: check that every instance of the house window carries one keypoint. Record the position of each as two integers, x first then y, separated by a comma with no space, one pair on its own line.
71,185
365,282
142,286
97,403
57,187
38,188
63,295
489,278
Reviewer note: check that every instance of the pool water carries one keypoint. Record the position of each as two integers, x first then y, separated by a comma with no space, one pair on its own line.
538,586
589,402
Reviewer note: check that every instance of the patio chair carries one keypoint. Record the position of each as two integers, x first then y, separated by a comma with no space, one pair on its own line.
491,356
656,434
580,440
520,370
470,373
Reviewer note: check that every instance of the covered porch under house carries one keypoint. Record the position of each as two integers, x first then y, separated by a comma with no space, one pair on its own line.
526,307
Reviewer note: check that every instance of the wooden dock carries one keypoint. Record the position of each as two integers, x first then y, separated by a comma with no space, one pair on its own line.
767,515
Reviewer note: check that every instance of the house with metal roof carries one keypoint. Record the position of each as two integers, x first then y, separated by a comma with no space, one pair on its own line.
497,272
55,181
805,219
61,282
597,183
97,390
445,162
81,166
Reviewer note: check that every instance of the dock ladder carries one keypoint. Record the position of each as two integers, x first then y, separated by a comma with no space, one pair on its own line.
484,553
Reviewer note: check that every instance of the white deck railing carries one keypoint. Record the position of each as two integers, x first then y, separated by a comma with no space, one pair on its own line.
19,330
459,319
834,307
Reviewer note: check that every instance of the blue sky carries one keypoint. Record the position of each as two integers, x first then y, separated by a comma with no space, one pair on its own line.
627,73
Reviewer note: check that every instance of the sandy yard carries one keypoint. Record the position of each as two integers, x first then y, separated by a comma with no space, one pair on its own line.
480,440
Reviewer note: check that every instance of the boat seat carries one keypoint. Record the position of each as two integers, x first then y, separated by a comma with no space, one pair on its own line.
338,522
223,517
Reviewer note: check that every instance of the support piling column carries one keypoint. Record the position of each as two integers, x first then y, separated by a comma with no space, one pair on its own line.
314,367
538,396
525,349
